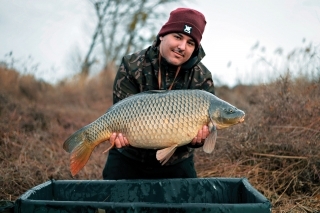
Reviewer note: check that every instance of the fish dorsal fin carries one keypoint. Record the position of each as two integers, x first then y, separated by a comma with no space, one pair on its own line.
210,141
155,91
163,155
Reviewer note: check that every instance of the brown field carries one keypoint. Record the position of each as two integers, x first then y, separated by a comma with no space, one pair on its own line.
277,148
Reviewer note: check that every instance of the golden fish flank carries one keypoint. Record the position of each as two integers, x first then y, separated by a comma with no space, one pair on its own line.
161,120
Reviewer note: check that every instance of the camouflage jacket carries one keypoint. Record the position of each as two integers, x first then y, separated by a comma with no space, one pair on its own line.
139,72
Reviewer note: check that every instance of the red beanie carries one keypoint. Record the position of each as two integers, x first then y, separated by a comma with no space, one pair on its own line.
187,21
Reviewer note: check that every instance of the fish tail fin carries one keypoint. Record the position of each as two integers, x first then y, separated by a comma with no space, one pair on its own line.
74,140
80,148
80,156
163,155
210,141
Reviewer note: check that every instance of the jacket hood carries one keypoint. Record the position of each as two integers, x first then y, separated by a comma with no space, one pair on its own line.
195,58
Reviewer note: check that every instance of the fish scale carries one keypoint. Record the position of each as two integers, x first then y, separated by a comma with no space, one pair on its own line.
161,120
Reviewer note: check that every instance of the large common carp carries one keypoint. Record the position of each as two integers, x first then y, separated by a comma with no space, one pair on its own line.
156,119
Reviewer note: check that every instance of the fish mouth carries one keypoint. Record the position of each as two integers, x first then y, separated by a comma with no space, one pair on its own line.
222,125
241,119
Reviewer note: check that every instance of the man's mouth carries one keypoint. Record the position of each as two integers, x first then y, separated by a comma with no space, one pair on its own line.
178,53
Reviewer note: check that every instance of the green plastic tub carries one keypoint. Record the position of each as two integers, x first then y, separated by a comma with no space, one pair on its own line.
223,195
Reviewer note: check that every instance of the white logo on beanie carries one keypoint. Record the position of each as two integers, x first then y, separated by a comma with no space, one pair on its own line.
187,29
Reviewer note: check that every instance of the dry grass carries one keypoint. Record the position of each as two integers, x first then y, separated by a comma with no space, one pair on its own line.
277,148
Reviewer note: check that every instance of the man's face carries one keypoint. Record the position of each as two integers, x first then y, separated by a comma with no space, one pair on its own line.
176,48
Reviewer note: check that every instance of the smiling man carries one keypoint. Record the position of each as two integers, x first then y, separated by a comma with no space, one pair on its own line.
172,62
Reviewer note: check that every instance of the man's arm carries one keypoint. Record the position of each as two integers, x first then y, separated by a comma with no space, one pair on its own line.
124,84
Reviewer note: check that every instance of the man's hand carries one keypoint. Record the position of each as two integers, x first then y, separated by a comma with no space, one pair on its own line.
118,140
201,136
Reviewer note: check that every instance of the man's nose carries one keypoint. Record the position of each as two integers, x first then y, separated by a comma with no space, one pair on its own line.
182,45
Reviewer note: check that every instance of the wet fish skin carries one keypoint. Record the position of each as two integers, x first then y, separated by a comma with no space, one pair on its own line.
161,120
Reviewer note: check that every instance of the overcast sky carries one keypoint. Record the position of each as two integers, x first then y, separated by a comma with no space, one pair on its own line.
51,30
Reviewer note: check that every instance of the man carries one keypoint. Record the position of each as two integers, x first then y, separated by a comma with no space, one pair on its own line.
172,62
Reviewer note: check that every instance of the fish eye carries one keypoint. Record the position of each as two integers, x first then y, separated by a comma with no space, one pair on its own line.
229,110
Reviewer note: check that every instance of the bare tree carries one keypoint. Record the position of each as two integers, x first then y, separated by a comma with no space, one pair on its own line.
123,26
100,14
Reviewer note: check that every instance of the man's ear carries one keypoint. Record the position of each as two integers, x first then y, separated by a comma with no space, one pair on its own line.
160,37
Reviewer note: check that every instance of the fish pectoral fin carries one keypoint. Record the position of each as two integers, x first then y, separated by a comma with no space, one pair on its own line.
210,141
163,155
